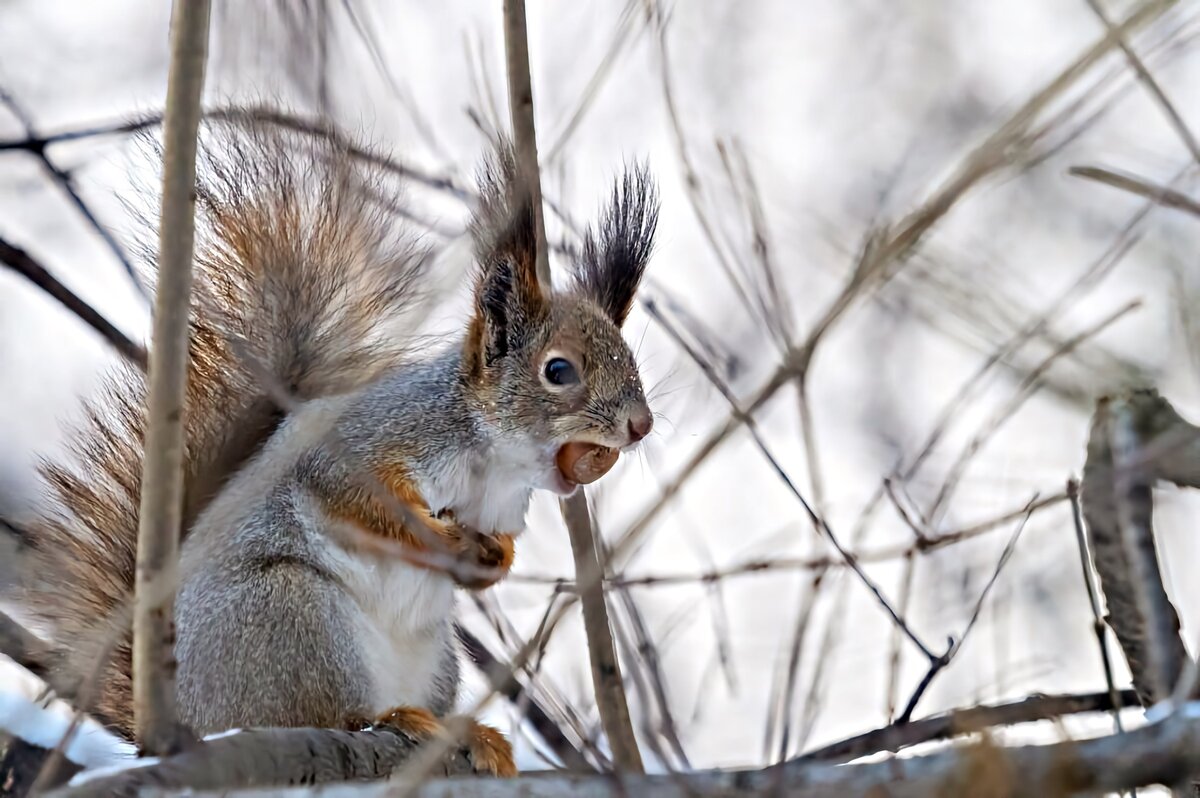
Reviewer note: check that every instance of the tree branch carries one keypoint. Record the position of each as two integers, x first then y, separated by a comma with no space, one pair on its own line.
1160,753
25,265
269,757
966,721
160,514
1126,439
606,669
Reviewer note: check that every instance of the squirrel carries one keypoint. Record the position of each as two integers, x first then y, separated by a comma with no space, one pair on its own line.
321,439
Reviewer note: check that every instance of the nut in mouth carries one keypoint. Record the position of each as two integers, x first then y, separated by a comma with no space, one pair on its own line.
582,463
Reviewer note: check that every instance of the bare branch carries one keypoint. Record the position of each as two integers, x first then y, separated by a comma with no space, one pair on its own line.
606,670
1161,753
269,757
1089,579
63,180
1152,86
534,714
1118,506
1167,197
967,721
160,514
25,265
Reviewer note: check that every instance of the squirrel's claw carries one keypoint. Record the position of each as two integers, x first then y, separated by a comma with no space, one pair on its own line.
490,751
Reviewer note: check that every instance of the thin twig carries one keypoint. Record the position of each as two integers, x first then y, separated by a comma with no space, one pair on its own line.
606,670
160,514
25,265
967,721
65,183
1152,85
1166,197
534,714
936,666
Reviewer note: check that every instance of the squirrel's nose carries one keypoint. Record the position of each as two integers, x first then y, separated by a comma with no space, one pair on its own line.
639,425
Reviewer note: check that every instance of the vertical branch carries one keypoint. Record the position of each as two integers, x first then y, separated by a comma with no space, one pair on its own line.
606,670
520,102
1089,580
162,471
1123,459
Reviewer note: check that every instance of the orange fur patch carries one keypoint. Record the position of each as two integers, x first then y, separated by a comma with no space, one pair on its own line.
371,514
420,724
491,752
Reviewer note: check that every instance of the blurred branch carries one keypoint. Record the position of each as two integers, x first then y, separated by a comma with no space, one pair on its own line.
941,663
25,265
817,521
160,514
894,243
1152,85
1025,389
814,563
1167,197
63,180
968,721
26,649
262,114
570,755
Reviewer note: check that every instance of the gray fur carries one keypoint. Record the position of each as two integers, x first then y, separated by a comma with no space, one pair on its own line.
281,620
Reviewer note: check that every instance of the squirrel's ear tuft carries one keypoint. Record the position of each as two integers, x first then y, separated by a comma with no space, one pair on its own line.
508,297
615,256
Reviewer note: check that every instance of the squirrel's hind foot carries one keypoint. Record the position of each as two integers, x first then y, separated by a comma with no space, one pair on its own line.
489,752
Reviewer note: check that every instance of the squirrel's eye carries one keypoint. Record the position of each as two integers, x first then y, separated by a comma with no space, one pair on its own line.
560,372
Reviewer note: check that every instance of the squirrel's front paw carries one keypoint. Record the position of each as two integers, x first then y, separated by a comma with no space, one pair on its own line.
488,557
490,751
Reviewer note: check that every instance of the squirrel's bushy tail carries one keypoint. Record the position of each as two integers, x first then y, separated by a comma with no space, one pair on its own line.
306,282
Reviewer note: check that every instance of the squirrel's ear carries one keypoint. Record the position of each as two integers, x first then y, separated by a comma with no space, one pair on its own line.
508,298
615,256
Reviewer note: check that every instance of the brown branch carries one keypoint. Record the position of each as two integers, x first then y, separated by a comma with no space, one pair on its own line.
967,721
1161,753
25,265
602,651
520,102
160,513
269,757
606,669
26,649
1166,197
63,180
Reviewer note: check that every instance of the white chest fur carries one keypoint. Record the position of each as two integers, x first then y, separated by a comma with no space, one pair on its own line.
401,619
487,490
